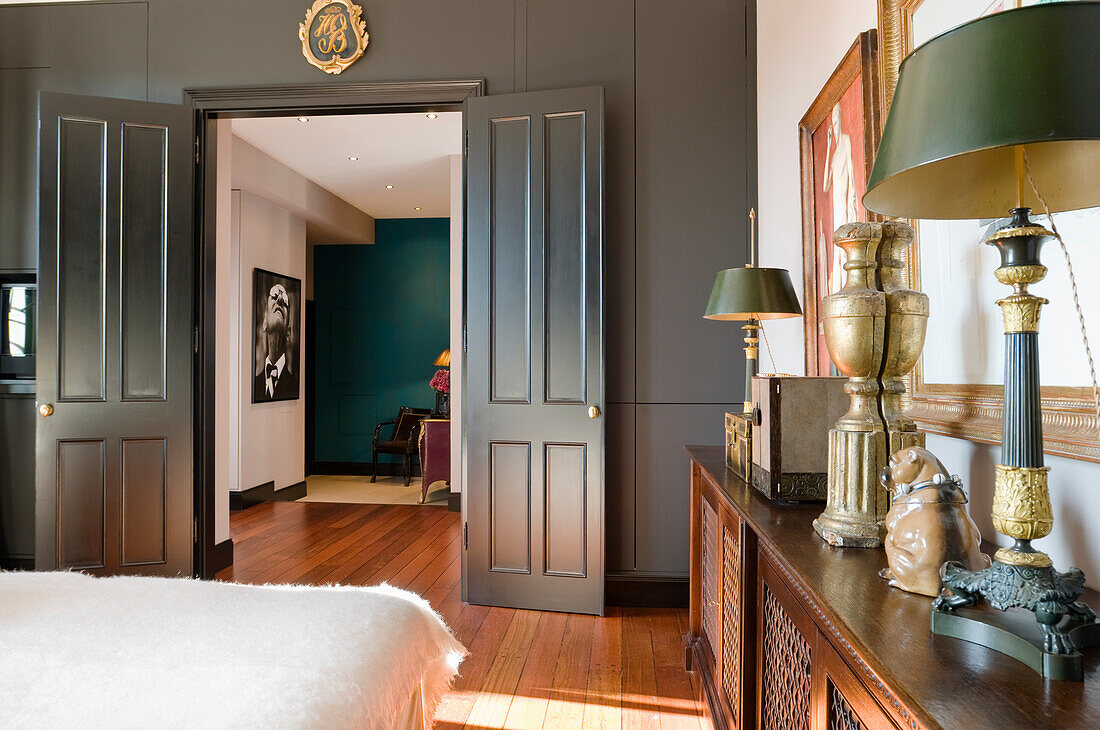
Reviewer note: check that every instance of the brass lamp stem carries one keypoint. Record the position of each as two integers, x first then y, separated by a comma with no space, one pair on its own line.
752,238
752,359
1018,154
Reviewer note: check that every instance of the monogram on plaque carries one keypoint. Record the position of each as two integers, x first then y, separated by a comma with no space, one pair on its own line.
333,35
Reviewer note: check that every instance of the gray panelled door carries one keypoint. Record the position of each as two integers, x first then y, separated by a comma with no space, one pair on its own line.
114,441
534,363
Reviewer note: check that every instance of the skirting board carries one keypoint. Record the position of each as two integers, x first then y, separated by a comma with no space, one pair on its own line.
646,591
16,563
244,499
454,502
221,557
359,469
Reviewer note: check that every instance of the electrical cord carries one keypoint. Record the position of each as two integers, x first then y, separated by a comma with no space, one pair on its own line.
1073,287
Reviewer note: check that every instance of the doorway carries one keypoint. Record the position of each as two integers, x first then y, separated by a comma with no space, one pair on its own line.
217,110
338,228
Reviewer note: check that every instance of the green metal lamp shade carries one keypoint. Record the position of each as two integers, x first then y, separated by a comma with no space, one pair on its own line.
1028,77
752,293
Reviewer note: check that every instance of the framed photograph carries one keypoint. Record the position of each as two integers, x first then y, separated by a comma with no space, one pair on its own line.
276,327
956,387
837,140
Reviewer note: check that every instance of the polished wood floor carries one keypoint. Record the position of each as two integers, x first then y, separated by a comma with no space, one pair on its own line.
526,669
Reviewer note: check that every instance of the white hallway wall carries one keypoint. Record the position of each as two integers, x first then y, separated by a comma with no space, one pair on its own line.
798,46
255,443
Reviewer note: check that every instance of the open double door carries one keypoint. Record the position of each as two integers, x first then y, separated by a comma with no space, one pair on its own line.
118,343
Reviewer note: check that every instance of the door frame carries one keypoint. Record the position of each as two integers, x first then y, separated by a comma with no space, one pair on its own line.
211,103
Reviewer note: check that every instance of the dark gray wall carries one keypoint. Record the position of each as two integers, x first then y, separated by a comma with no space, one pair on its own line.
680,170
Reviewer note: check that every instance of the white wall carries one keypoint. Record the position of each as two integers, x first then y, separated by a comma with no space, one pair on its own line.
225,410
254,444
798,46
456,321
272,436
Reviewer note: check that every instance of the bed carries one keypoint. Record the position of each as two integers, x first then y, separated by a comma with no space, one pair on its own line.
129,652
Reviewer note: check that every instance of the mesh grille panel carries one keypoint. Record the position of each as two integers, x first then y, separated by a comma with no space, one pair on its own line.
710,575
786,668
841,715
731,617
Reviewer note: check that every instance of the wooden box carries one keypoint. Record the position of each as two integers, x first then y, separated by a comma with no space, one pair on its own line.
792,418
739,444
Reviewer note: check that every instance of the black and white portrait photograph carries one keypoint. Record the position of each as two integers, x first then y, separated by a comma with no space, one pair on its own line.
276,314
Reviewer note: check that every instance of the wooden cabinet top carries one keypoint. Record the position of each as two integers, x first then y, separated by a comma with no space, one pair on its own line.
946,682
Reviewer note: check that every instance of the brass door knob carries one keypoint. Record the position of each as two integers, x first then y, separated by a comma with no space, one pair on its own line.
594,412
46,410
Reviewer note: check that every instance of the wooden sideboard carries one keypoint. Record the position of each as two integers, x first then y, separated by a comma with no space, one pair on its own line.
787,632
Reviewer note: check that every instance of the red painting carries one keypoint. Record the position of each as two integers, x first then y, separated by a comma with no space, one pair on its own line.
840,179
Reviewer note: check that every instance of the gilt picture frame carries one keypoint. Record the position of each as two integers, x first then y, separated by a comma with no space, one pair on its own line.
973,410
837,139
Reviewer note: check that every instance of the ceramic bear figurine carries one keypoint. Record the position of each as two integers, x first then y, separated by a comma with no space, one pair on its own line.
927,524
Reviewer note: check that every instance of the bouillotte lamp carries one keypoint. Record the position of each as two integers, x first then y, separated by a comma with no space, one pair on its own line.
983,116
752,294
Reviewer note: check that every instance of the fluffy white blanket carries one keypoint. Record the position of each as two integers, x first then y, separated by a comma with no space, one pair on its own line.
85,652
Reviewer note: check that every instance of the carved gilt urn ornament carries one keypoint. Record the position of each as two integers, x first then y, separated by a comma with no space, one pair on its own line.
333,35
874,329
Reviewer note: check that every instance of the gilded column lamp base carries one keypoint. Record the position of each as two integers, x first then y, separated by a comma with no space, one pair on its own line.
855,515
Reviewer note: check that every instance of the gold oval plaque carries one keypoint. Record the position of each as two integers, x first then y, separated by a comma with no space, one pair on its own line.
333,35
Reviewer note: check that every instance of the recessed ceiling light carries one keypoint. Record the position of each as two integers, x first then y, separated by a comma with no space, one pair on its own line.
303,120
389,187
353,158
432,115
417,208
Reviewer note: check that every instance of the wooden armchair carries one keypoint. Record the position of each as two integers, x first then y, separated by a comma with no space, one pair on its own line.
402,441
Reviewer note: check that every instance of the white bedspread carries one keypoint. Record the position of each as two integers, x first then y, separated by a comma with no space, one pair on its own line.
89,652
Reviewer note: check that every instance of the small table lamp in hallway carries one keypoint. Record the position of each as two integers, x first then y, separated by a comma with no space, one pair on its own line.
751,293
994,118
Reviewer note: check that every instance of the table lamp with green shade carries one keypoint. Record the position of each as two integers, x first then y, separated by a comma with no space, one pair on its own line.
994,118
750,294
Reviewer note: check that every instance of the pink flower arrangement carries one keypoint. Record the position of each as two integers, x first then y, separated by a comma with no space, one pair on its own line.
441,381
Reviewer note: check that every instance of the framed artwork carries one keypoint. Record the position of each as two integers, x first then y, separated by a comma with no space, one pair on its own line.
276,324
837,140
955,388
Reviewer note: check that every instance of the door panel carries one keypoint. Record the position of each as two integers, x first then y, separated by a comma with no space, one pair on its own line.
565,260
114,458
143,501
566,485
80,495
510,259
534,364
144,248
510,506
81,249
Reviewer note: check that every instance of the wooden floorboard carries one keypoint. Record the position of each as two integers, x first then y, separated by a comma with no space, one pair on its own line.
527,670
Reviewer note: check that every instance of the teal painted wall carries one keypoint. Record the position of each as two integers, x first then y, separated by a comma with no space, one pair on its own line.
383,316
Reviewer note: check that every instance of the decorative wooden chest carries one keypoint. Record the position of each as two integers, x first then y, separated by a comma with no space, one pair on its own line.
739,444
791,420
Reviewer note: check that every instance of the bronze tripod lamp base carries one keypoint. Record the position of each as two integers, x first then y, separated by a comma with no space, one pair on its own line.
1021,577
